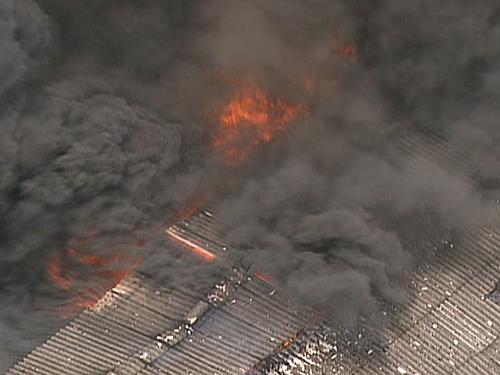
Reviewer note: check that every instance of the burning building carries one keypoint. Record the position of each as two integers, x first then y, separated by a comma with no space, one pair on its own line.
331,167
243,325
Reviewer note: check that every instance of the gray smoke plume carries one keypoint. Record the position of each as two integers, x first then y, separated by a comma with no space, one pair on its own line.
25,39
322,207
107,113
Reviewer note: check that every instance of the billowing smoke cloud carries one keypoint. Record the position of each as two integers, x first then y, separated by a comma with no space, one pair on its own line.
79,159
89,89
326,207
25,39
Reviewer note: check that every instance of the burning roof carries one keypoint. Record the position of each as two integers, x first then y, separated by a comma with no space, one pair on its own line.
252,116
450,325
137,328
110,119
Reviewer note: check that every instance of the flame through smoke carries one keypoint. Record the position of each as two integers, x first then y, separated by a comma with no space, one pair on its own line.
251,117
85,276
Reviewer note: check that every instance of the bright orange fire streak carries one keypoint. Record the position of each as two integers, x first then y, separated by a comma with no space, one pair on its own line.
264,278
207,255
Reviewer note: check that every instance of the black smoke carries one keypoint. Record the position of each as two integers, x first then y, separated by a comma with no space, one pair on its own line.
105,119
329,206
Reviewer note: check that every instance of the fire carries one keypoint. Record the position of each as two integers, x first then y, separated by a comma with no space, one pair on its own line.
198,250
86,276
57,275
349,52
207,254
288,342
251,117
346,48
309,84
265,278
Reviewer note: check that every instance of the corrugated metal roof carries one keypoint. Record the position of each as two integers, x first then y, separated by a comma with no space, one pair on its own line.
118,326
242,326
200,231
425,145
449,324
310,352
137,328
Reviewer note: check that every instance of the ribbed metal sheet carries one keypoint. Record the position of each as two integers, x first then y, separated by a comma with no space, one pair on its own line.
242,326
313,351
232,338
118,326
425,145
200,230
450,324
139,329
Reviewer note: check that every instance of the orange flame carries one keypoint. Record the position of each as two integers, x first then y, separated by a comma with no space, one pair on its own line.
346,48
85,276
251,117
288,342
309,83
56,273
207,254
198,250
265,278
349,52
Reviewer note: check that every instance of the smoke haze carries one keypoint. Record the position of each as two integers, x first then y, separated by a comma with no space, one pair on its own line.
107,117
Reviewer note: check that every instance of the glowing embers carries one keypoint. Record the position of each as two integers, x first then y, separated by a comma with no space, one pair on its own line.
85,276
190,245
349,52
265,278
251,117
197,232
